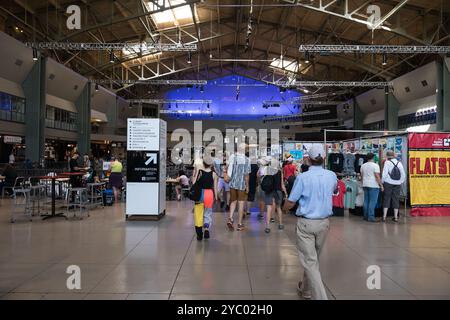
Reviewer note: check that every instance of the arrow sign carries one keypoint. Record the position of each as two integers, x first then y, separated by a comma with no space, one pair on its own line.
152,157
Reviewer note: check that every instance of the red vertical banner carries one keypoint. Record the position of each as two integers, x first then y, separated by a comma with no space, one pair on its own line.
429,174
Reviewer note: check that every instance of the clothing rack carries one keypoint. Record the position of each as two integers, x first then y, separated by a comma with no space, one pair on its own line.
370,135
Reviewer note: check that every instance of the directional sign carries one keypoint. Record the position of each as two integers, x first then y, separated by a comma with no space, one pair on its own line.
143,166
152,158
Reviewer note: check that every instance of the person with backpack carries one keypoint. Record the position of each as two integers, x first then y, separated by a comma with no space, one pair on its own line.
272,185
205,194
393,177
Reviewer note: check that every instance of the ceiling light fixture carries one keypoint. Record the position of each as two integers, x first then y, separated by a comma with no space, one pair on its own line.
385,59
35,54
307,57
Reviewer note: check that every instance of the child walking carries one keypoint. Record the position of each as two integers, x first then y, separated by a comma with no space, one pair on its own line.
204,208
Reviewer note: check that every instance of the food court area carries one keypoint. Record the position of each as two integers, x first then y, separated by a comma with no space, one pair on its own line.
224,150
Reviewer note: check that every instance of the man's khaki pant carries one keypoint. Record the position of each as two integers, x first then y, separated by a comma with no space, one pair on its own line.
311,235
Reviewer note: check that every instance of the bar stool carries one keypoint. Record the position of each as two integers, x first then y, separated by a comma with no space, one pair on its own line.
77,198
22,204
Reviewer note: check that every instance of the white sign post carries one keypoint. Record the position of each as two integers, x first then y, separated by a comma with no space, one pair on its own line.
146,168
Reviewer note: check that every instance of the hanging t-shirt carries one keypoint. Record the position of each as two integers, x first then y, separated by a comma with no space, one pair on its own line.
350,195
360,159
359,202
336,162
338,197
349,163
376,158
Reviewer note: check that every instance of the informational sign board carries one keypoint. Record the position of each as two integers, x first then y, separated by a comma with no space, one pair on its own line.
143,135
429,174
146,167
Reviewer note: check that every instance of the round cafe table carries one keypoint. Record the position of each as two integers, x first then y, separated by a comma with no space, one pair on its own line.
53,213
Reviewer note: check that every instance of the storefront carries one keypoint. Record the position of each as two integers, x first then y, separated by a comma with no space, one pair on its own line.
12,145
105,149
56,150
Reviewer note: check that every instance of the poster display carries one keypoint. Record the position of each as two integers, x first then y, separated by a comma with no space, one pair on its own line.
429,174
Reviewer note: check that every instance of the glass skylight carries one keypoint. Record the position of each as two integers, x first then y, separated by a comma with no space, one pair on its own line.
170,16
285,64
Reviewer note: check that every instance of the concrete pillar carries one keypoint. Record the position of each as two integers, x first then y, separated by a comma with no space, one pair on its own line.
112,114
83,104
391,112
34,88
358,116
443,97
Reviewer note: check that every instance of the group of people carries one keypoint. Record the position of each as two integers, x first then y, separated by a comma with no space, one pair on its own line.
388,182
282,188
236,184
94,172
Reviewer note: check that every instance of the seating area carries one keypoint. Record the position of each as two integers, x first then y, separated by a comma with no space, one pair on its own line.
34,197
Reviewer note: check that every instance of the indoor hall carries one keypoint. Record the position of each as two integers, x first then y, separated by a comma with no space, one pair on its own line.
224,150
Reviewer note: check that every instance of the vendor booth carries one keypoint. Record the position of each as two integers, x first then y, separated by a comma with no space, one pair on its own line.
425,158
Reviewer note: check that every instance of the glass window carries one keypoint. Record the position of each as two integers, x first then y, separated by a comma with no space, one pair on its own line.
12,108
60,119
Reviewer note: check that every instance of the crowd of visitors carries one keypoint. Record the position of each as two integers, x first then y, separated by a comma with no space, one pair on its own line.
311,192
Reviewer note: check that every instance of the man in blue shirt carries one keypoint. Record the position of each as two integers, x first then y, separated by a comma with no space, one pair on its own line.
313,190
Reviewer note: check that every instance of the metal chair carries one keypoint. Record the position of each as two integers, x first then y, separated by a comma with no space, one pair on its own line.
96,194
78,200
185,192
17,183
22,204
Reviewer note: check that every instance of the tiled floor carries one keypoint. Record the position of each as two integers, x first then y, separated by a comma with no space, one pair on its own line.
162,260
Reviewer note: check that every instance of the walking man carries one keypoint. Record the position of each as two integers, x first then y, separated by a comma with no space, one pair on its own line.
313,190
238,171
393,177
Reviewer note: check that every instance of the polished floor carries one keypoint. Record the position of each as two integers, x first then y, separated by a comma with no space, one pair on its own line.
163,260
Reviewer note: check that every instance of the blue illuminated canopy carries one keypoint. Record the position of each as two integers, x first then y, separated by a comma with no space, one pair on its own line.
233,97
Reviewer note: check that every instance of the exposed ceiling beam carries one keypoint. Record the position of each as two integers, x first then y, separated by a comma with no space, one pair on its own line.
26,6
390,14
125,19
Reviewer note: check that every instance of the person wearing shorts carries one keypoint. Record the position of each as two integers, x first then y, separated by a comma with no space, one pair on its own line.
274,199
392,187
239,169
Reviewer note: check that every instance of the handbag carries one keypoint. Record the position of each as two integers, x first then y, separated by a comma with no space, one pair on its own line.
195,192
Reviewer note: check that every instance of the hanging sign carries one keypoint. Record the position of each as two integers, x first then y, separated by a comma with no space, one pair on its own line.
12,139
429,173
